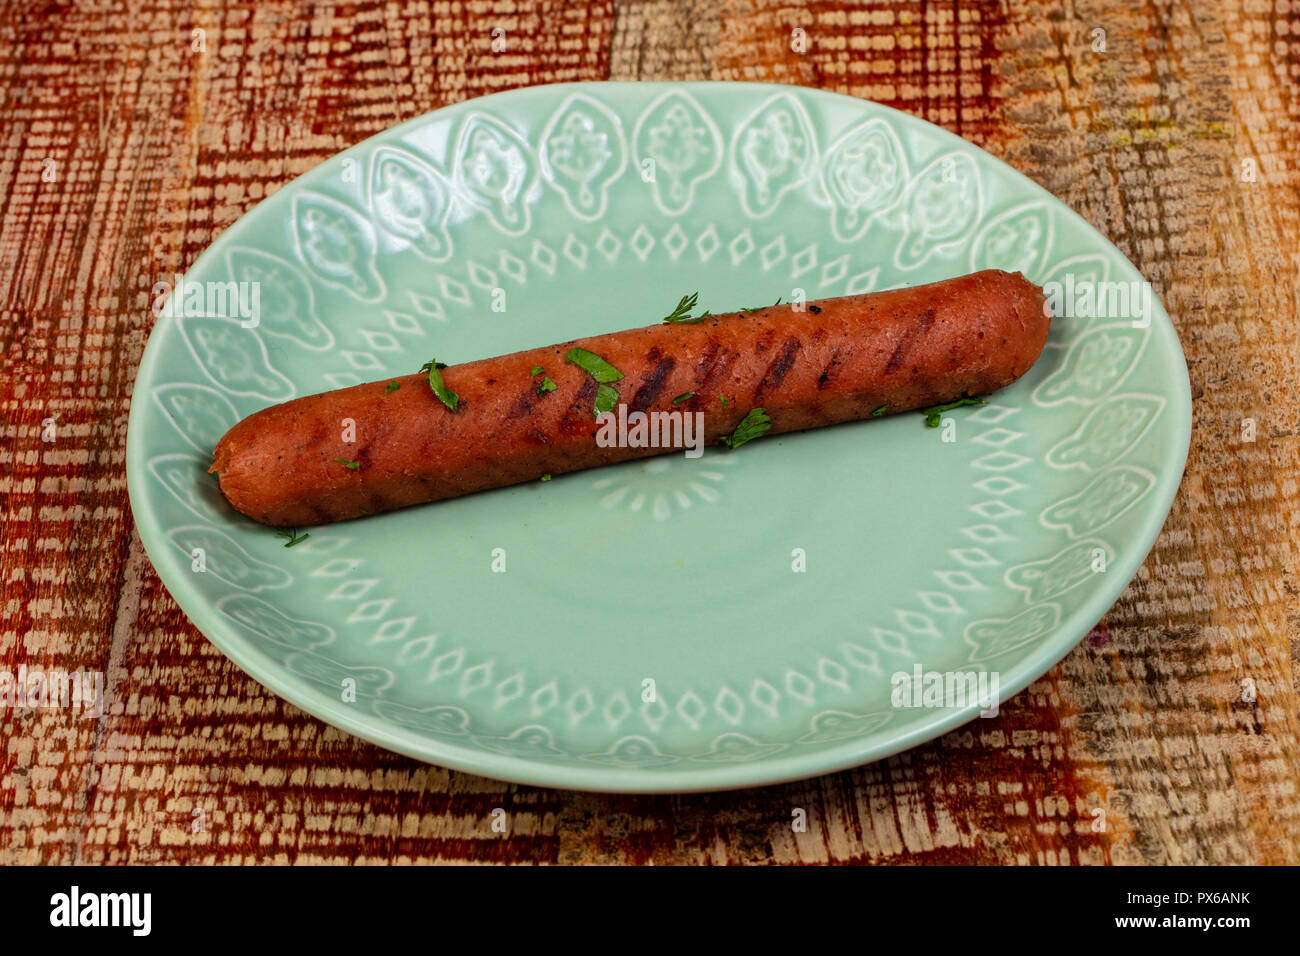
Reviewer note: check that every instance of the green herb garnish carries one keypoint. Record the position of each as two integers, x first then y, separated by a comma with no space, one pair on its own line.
725,401
773,305
606,399
684,308
537,370
593,365
682,314
602,372
292,536
547,386
354,465
682,397
880,411
445,395
753,425
933,414
392,386
546,477
363,511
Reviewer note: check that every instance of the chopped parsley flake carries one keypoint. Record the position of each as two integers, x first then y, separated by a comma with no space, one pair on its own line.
292,537
753,425
761,307
606,399
602,372
682,314
593,365
445,395
934,414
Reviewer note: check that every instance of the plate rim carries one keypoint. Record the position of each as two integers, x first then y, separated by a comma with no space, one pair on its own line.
767,771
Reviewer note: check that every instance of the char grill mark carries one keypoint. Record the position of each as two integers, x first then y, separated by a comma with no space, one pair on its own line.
712,369
824,379
652,385
776,372
523,406
908,340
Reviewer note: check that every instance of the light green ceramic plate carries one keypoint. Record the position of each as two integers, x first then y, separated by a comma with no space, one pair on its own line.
651,630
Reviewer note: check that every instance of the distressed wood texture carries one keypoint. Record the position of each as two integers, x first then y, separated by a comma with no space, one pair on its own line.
156,148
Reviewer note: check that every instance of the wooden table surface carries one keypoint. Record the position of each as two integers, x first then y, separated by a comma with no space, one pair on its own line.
125,151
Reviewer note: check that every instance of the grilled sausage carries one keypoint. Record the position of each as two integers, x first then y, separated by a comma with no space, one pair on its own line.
837,360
